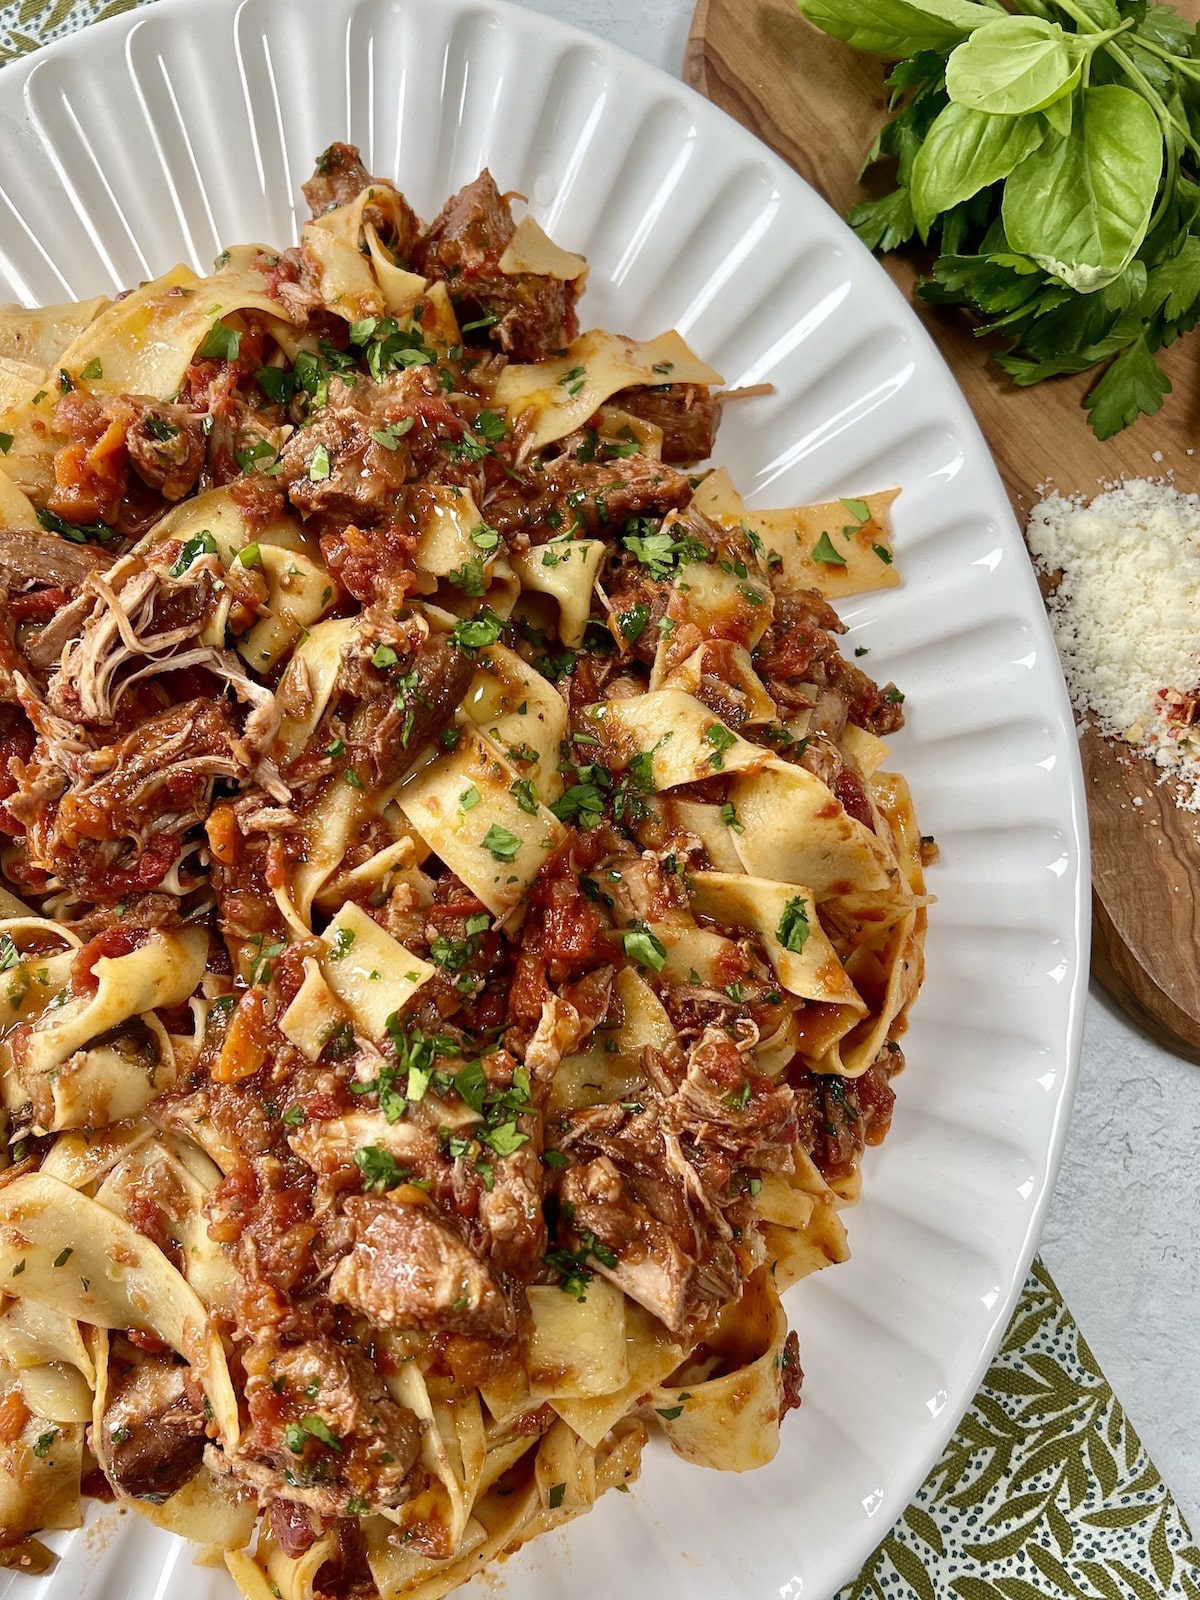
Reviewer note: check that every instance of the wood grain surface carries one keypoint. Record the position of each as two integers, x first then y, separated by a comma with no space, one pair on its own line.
818,104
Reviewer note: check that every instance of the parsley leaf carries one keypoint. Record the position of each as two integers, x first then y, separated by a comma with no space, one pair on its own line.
220,344
642,946
500,843
793,929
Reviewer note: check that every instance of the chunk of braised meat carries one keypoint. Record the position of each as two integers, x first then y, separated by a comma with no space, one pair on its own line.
689,415
119,827
166,446
91,470
332,467
727,1115
799,648
386,731
791,1374
295,1378
839,1117
587,497
153,1432
534,315
17,740
510,1212
31,558
408,1268
341,177
647,1238
638,605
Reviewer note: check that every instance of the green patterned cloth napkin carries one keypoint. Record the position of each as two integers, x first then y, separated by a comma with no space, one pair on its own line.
1045,1491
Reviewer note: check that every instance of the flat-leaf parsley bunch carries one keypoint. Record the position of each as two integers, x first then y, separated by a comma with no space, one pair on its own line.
1049,151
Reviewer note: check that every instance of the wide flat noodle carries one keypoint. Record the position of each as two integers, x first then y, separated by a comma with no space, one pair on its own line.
809,965
853,536
566,570
532,250
71,1087
731,1422
558,396
371,973
796,829
356,273
146,342
38,335
521,715
107,1274
16,508
464,806
39,1472
685,742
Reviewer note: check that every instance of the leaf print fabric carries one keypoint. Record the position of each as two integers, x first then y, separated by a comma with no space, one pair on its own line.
1045,1492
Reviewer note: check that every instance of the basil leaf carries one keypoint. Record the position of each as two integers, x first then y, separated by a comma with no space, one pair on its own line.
964,152
896,28
1014,65
1059,113
1080,206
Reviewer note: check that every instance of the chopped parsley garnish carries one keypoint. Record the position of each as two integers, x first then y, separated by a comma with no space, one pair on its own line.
859,510
389,438
525,794
297,1434
659,551
76,532
278,386
642,946
717,735
573,381
793,929
477,632
220,344
193,549
469,578
632,623
379,1169
500,843
342,940
319,465
730,818
824,551
44,1442
6,443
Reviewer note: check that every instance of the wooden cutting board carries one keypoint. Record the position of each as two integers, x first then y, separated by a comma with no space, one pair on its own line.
818,103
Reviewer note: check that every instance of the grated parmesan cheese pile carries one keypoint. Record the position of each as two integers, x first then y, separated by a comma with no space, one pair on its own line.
1126,615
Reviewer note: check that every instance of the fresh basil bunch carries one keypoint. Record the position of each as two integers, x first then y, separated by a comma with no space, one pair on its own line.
1050,151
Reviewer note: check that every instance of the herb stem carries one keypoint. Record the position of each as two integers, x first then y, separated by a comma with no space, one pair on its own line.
1182,64
1135,75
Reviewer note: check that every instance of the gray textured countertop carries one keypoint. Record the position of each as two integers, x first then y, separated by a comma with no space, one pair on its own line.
1121,1237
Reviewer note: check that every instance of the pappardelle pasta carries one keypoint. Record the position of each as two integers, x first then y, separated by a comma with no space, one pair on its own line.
457,927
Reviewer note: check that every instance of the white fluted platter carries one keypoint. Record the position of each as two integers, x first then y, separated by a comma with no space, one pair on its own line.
167,133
